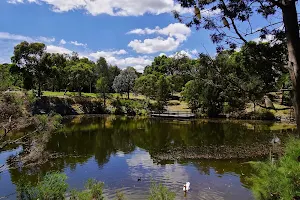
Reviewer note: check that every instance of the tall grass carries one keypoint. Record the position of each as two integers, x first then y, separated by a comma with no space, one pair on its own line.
279,180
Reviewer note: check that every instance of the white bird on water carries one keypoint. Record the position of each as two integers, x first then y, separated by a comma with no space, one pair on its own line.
186,186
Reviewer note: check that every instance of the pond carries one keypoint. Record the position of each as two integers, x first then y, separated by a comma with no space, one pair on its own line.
126,154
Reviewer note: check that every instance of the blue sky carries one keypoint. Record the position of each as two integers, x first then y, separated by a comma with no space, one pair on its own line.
126,32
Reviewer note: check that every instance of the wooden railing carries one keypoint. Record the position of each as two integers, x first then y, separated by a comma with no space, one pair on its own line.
173,114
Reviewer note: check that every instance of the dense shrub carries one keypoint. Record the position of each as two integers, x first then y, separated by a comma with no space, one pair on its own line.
157,107
279,180
129,107
10,106
93,190
52,187
48,122
262,114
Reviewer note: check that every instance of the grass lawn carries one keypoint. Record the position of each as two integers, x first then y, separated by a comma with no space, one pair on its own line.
94,95
178,106
131,96
61,94
277,113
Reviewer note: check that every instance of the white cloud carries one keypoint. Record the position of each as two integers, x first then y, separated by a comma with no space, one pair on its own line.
9,40
194,52
15,37
209,12
112,7
189,53
106,54
78,43
15,1
46,40
113,58
139,63
177,30
57,49
269,38
9,36
62,42
149,46
177,33
180,54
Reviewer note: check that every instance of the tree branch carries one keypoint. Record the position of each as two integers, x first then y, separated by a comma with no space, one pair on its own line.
258,30
233,24
4,144
276,3
276,109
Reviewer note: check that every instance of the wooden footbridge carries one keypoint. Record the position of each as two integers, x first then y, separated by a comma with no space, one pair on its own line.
174,114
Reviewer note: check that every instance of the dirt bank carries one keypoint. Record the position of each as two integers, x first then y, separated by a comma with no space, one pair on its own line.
68,105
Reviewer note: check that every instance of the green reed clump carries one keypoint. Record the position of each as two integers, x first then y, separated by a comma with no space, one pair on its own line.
160,192
53,186
93,190
120,196
279,180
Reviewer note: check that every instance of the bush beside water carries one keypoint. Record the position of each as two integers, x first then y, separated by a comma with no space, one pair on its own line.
54,186
280,179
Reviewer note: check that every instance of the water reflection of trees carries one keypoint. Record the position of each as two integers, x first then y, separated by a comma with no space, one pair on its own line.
82,138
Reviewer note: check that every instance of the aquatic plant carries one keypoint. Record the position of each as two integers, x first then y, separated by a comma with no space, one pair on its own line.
52,186
93,190
160,192
120,195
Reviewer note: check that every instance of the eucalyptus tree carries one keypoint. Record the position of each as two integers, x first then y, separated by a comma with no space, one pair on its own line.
57,78
6,78
80,73
103,87
124,82
33,60
147,85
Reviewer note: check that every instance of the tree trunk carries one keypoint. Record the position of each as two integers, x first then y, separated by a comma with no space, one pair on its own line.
290,20
128,92
39,90
90,87
104,99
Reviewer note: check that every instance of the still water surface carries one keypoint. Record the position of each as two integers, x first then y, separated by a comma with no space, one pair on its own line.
119,151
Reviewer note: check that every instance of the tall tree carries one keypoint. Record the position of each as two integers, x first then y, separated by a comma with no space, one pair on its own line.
33,59
5,77
101,68
233,12
103,87
163,90
113,72
57,77
81,74
147,85
124,82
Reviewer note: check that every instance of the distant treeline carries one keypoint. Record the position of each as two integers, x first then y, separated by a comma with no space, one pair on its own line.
211,85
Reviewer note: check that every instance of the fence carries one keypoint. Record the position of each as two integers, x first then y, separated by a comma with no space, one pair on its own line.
175,114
